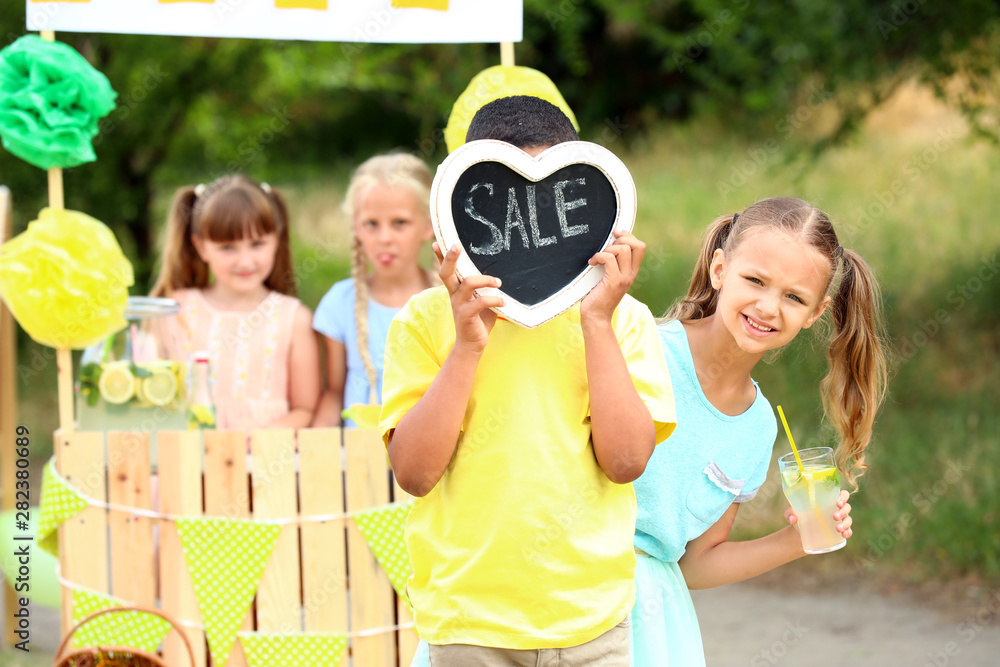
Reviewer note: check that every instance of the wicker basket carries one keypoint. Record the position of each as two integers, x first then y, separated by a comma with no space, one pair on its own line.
115,656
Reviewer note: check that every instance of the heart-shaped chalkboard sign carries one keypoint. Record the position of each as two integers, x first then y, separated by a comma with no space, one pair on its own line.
532,222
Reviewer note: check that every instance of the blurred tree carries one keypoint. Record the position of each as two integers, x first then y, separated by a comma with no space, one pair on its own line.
207,106
651,59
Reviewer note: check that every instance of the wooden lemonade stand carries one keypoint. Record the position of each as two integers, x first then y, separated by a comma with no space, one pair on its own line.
321,576
311,481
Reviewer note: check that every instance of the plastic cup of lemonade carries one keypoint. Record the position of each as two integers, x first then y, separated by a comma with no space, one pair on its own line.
813,492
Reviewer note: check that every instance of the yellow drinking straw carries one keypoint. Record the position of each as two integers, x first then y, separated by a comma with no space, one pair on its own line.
802,471
788,432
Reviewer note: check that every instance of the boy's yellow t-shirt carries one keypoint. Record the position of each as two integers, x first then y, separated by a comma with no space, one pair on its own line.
524,542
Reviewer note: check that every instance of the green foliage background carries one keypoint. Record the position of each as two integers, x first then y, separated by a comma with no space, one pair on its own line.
712,104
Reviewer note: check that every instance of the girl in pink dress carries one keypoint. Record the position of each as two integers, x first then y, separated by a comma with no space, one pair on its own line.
227,262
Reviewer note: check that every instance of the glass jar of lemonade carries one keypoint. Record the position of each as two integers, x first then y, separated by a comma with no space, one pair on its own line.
124,383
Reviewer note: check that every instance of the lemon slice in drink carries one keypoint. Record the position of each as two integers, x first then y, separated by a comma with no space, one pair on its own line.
140,398
822,475
178,402
160,388
792,475
117,384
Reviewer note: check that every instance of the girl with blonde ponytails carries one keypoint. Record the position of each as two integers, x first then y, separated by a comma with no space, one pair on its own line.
763,275
387,205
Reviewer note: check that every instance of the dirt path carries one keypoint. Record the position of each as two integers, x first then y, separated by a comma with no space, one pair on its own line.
777,621
751,625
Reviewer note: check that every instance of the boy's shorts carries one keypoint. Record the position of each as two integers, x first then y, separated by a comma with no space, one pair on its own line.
609,650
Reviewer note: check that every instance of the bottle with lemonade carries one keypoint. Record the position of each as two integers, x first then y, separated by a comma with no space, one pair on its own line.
201,413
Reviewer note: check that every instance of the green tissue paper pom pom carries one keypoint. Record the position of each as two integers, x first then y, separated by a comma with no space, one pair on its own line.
51,100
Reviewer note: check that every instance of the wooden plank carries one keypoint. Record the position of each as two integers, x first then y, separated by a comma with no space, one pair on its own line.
372,597
8,416
133,570
407,639
227,493
83,540
179,493
324,557
279,606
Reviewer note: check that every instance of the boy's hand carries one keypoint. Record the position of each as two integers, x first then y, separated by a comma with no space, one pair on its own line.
842,515
621,262
473,317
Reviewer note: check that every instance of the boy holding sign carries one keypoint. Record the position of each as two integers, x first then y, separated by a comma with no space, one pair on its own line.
521,535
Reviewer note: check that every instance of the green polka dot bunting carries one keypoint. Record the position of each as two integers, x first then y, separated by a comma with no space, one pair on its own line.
131,629
383,530
59,504
301,650
226,560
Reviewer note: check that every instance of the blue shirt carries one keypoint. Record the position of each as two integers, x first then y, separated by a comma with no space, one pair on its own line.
334,319
711,461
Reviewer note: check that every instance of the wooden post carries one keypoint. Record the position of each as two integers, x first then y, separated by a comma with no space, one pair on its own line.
324,559
180,493
83,539
227,494
64,358
408,639
373,603
507,54
8,414
133,569
279,605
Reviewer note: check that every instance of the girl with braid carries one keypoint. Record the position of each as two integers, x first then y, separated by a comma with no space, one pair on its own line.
387,205
763,276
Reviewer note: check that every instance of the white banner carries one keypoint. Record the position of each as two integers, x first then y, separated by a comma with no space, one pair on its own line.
364,21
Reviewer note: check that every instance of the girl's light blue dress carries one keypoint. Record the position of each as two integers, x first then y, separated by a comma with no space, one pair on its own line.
711,461
334,318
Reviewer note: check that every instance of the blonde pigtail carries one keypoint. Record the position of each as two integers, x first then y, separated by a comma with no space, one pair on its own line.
702,298
855,386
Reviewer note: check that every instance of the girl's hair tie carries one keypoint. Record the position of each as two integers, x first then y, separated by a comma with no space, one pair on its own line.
199,190
840,251
736,217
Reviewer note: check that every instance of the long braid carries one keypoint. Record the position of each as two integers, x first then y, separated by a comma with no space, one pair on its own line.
358,272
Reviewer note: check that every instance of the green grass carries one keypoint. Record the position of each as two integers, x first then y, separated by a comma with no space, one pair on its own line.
926,243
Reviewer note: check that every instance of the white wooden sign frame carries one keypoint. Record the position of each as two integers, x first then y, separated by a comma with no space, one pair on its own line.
357,21
534,169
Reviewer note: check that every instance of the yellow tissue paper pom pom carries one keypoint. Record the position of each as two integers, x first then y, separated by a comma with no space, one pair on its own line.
492,84
65,279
